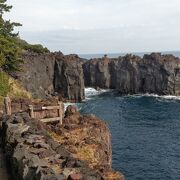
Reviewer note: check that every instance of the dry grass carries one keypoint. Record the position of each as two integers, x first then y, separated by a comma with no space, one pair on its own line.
12,88
74,143
1,101
88,153
56,137
17,91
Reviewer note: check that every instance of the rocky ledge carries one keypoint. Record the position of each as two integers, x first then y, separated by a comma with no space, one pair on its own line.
78,149
154,73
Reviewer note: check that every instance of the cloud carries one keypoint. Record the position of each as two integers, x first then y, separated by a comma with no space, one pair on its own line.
86,26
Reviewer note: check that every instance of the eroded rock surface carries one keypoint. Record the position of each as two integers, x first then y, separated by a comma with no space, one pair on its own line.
70,151
52,74
87,138
68,77
131,74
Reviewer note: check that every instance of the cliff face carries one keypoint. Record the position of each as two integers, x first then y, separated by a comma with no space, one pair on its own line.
54,74
49,74
68,77
153,73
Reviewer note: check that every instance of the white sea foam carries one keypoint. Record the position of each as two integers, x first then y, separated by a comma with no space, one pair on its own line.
89,92
168,97
171,97
78,105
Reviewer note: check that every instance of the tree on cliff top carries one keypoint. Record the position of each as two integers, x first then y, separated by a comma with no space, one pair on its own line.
9,52
11,45
6,26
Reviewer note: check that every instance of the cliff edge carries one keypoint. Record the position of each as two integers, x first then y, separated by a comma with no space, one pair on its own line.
80,149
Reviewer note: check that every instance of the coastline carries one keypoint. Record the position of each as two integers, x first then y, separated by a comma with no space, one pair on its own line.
64,78
115,55
58,151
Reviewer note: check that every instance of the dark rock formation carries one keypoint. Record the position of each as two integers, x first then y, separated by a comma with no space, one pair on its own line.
88,139
131,74
32,153
49,74
54,74
68,77
96,73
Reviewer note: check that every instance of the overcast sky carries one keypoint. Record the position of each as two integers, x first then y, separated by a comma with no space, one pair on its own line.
99,26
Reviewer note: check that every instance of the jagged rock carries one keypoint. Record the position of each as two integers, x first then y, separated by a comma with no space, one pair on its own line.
52,74
155,73
34,154
88,139
68,77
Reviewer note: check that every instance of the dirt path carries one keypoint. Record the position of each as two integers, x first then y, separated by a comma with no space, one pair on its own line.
3,171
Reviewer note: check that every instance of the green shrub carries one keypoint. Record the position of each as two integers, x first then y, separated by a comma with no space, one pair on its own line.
11,46
9,54
37,48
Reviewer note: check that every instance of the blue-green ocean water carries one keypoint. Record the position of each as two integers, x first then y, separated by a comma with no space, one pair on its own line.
115,55
145,130
145,133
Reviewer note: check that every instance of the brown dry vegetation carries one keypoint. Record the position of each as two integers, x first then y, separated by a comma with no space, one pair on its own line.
87,138
12,88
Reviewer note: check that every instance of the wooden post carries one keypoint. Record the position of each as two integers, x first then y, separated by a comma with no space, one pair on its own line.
60,113
31,111
7,104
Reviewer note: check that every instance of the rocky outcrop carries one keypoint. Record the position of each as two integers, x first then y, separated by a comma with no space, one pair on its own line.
67,152
97,73
68,77
87,138
52,74
131,74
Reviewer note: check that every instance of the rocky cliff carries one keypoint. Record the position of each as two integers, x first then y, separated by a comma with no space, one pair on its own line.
52,74
80,149
154,73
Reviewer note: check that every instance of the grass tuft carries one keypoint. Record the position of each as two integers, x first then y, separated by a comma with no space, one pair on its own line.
12,88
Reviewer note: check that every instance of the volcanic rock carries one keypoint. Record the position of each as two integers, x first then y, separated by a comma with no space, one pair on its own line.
154,73
88,139
52,74
34,151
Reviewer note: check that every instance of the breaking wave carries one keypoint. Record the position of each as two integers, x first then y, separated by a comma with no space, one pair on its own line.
166,97
90,92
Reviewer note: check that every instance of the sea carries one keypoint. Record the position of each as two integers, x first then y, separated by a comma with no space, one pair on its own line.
145,130
115,55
